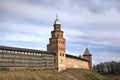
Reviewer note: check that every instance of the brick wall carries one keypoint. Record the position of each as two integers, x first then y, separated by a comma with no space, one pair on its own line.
76,63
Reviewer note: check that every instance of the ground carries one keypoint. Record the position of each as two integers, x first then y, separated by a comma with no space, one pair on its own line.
69,74
113,77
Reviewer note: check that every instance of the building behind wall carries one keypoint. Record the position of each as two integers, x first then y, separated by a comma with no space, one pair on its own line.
55,56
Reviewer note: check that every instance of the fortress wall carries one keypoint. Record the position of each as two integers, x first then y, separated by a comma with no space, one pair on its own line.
13,59
76,63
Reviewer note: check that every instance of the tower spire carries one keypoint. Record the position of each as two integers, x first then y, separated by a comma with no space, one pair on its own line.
86,52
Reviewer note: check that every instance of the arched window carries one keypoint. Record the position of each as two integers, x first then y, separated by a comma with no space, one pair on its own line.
60,54
57,35
63,55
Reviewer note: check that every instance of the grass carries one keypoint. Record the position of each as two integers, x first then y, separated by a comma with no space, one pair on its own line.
113,77
68,74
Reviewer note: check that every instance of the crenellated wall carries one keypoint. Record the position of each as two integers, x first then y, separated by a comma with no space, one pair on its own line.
76,63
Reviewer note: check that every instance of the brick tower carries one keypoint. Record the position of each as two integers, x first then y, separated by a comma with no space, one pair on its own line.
57,45
88,57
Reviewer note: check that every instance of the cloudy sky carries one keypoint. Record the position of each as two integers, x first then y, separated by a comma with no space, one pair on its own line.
91,23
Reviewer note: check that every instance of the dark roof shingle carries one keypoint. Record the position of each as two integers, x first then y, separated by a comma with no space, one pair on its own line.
23,49
72,56
87,53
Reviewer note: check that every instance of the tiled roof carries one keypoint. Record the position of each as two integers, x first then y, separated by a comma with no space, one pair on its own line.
87,53
23,49
72,56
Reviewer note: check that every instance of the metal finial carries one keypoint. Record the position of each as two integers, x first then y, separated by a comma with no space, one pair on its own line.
86,46
56,16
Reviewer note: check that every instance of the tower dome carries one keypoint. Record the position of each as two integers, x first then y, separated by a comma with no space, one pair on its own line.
56,20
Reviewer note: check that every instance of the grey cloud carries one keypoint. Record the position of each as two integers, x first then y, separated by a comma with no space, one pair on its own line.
98,6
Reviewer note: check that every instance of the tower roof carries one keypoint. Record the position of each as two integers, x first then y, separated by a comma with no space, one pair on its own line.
87,53
56,20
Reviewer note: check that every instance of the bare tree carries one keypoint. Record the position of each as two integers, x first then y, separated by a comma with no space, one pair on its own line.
112,67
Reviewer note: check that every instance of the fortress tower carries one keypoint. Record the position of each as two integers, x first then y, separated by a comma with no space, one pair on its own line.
88,57
57,45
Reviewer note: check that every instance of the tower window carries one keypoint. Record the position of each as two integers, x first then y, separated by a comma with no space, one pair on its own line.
57,35
53,35
60,54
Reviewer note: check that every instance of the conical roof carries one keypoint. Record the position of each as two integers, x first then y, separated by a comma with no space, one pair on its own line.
87,53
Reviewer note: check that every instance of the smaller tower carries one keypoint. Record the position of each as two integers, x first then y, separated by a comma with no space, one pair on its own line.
88,57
